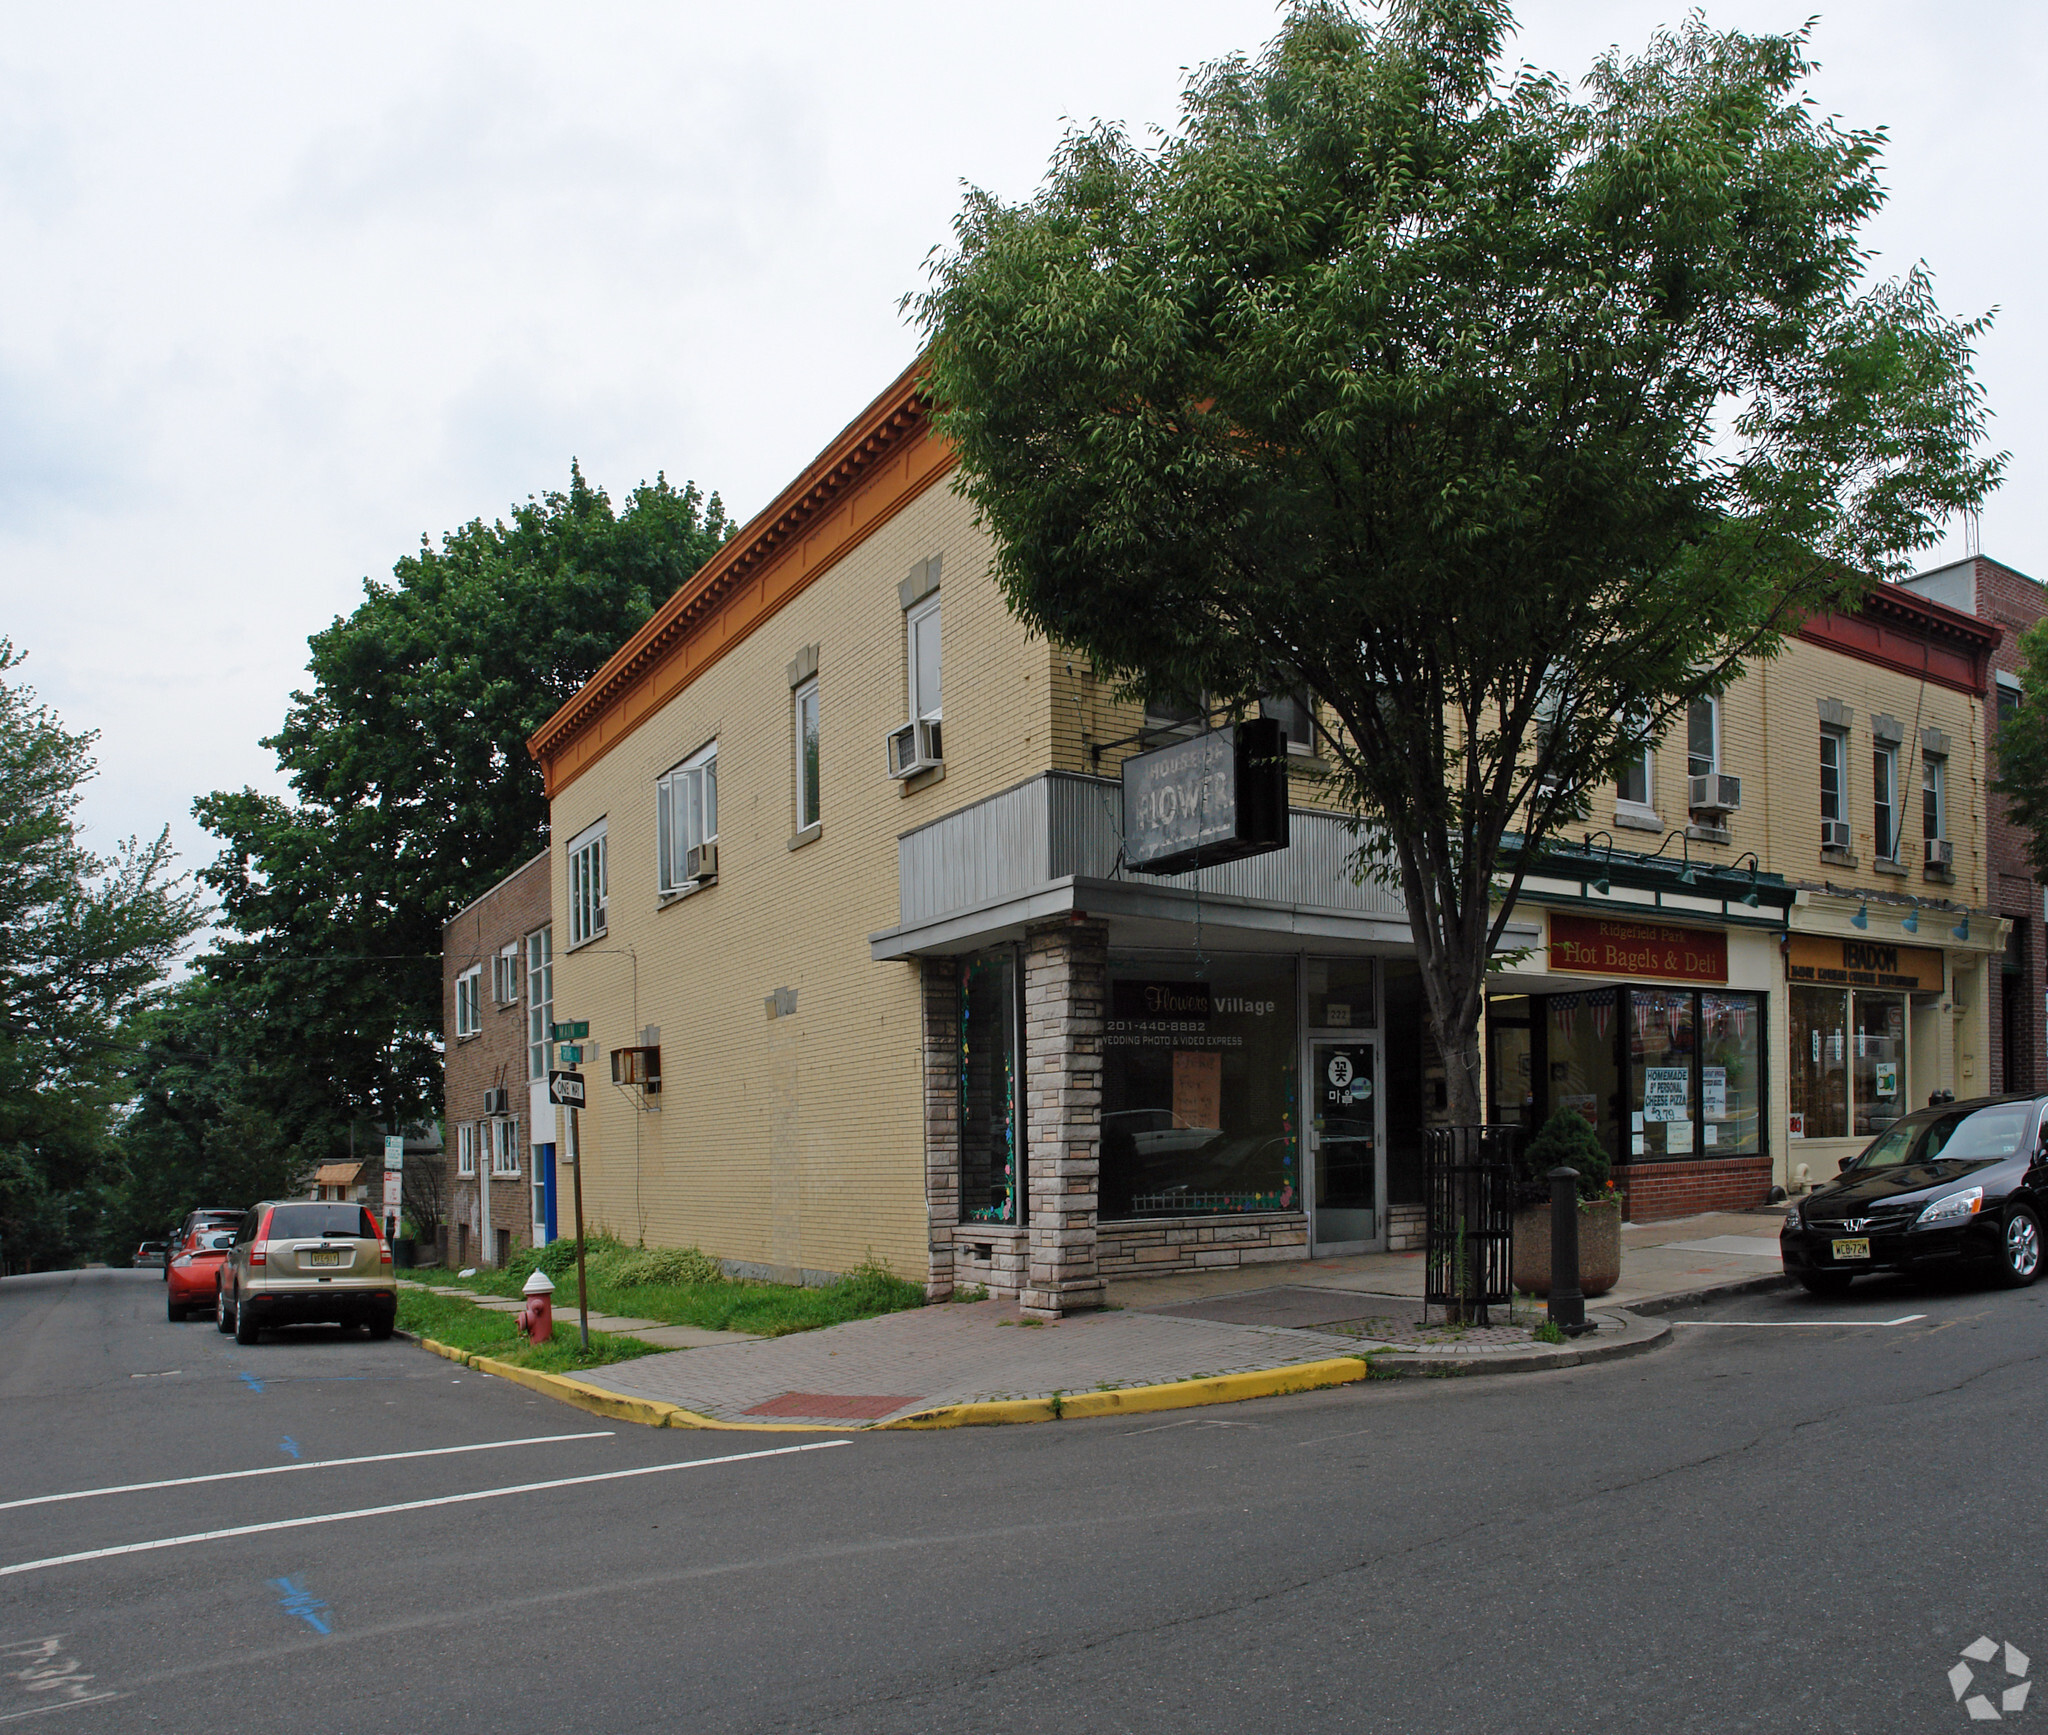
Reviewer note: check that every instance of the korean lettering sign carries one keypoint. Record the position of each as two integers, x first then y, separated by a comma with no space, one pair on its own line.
1618,946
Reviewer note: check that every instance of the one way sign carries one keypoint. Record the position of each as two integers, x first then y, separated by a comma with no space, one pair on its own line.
566,1087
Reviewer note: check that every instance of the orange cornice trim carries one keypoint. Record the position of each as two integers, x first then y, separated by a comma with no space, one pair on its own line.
882,461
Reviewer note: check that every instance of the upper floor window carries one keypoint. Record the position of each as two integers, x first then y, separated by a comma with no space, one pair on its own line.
465,1148
587,886
540,999
505,976
505,1148
1178,713
804,710
686,818
1934,797
1834,765
921,627
1296,715
1703,737
1884,800
2008,700
469,996
1632,787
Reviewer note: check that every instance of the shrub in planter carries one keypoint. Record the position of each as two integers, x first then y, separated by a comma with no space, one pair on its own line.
1567,1139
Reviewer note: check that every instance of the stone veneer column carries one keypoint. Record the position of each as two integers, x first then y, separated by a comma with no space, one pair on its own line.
941,988
1066,968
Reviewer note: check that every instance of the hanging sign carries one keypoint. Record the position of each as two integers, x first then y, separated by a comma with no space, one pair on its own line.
1215,797
1862,963
1619,946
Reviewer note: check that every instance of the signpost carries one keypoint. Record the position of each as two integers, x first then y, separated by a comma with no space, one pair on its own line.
565,1089
394,1182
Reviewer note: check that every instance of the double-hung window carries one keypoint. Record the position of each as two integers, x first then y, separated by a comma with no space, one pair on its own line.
587,886
1884,800
540,999
505,1148
469,995
465,1148
804,713
1934,797
921,628
1834,812
686,818
1296,715
1702,738
1632,787
505,976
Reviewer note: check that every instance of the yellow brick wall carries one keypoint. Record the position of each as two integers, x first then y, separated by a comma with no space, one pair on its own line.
794,1142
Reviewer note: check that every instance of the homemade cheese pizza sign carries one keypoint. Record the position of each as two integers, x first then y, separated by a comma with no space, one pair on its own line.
1618,946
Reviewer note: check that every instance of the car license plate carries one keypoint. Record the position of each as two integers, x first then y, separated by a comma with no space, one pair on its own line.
333,1256
1852,1249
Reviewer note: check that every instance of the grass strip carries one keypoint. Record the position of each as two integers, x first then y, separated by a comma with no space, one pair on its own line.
463,1325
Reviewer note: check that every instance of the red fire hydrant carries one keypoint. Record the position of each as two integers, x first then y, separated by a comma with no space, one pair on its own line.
537,1317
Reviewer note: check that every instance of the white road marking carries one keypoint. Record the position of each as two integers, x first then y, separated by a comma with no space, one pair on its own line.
1781,1324
408,1506
61,1705
314,1464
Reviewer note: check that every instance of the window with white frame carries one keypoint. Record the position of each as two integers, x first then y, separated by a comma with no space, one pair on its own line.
1632,788
505,976
921,631
686,817
540,999
1703,737
469,996
1296,715
1834,810
1884,801
465,1148
505,1148
587,886
1934,797
804,713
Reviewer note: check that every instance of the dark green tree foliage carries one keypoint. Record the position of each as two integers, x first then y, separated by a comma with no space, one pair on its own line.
412,791
2021,749
1566,1140
1504,419
85,944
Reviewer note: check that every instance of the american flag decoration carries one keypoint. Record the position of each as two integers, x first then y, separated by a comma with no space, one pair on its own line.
1601,1005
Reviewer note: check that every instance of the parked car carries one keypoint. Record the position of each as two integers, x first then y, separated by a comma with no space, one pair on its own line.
1962,1183
191,1278
206,1217
295,1261
150,1253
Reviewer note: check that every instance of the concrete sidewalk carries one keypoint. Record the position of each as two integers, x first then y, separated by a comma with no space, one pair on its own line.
1174,1330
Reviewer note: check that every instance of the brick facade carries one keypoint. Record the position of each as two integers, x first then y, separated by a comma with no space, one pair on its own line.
1652,1192
493,1059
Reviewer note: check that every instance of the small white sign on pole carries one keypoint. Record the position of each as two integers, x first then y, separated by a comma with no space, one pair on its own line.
394,1153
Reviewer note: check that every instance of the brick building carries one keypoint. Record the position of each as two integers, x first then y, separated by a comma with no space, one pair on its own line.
2019,1056
497,976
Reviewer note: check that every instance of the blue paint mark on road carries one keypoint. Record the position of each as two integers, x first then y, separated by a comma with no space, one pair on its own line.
288,1444
296,1600
252,1382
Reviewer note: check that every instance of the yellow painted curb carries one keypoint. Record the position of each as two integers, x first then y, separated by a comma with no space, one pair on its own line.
1141,1400
595,1399
452,1353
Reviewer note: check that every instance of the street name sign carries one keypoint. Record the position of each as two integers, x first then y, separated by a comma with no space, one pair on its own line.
573,1032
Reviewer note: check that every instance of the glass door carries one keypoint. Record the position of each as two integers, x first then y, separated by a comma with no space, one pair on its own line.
1345,1144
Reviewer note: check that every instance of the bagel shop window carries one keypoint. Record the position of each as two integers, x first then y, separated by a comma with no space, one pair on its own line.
1200,1089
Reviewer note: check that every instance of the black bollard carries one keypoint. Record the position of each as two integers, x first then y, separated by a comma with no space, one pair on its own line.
1567,1304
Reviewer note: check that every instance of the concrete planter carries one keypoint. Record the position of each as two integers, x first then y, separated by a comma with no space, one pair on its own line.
1599,1249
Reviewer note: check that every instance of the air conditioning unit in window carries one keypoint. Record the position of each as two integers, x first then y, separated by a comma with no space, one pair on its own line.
496,1101
1716,792
1834,834
1941,854
915,747
701,863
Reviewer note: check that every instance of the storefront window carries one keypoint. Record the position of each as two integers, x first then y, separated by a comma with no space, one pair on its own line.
1341,994
1878,1050
1731,1075
1511,1061
1663,1073
1199,1087
1820,1068
988,1089
1583,1075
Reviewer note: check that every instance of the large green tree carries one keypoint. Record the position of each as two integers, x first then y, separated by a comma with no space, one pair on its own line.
2021,749
412,791
1505,418
86,944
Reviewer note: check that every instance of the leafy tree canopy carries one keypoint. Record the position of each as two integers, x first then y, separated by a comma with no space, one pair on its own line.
2022,749
1504,418
412,791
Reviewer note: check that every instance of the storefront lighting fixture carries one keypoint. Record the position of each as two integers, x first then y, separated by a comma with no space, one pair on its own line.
1753,898
1962,929
1686,876
1861,919
1912,922
1600,882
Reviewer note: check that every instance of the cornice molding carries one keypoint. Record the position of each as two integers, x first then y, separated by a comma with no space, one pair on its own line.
879,463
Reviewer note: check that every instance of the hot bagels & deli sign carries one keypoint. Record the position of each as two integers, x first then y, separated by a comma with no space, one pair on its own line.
1616,946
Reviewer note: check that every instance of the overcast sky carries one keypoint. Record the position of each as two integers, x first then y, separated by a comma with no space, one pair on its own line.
284,287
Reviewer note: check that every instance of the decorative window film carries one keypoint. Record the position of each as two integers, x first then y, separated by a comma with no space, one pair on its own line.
469,1010
686,815
988,1088
804,708
587,886
540,999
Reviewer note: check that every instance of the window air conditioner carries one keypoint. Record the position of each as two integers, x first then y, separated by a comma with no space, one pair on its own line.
1940,853
1834,834
915,747
1716,792
701,863
495,1101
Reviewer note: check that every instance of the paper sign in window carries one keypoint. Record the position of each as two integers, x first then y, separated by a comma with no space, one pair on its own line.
1197,1087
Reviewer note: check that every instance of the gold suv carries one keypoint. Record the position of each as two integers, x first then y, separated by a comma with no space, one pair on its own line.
299,1260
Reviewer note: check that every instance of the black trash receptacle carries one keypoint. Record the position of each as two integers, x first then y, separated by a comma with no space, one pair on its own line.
401,1252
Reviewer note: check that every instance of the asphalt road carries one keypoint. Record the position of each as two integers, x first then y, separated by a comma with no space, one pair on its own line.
1775,1526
